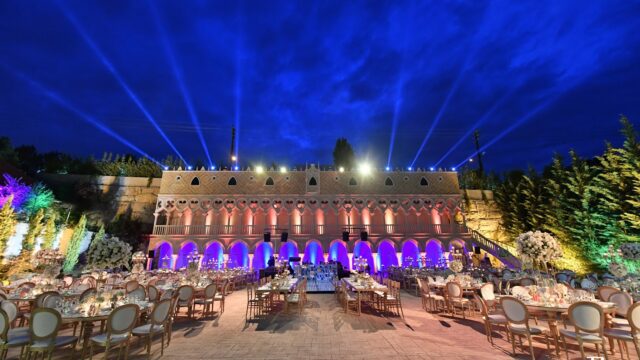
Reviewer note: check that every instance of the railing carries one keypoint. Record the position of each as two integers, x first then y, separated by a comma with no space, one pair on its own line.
495,249
309,229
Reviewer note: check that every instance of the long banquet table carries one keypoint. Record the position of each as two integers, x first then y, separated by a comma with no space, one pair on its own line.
359,288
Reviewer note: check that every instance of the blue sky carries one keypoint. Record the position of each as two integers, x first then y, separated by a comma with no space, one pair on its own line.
405,82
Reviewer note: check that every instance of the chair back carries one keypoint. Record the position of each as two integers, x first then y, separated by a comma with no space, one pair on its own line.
153,293
211,290
10,308
122,319
67,280
527,282
138,293
514,310
161,312
484,309
605,291
91,281
44,325
5,324
53,300
41,298
633,315
27,285
185,293
90,292
587,317
454,290
486,291
131,285
623,302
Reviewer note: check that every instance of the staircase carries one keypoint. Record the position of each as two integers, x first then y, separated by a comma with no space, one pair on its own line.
495,249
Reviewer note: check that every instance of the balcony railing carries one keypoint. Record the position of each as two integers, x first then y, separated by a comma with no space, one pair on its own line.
336,230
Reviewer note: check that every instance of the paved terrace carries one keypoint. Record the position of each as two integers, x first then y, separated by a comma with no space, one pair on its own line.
324,331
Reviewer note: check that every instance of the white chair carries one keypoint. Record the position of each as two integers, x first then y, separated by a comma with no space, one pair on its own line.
131,285
153,293
430,298
185,298
588,319
490,319
52,301
605,291
517,316
623,302
632,335
488,294
156,325
207,301
43,333
119,325
8,340
138,293
454,298
221,295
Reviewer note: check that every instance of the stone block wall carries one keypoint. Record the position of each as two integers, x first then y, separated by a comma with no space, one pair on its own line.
483,215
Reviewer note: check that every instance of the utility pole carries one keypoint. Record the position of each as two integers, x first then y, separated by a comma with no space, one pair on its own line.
476,136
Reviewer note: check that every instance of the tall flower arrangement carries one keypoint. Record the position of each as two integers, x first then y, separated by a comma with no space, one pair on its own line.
108,253
538,247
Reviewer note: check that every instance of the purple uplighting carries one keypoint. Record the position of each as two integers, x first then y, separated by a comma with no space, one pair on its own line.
16,188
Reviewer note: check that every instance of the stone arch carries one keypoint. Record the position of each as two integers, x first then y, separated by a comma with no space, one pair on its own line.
387,253
410,249
238,254
313,253
213,251
261,254
363,249
433,250
288,249
163,250
162,218
338,252
186,248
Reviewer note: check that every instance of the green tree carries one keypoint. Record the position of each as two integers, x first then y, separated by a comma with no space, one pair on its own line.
343,154
73,250
35,228
39,198
49,232
7,224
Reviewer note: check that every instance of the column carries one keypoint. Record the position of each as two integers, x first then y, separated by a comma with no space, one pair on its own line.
251,261
399,255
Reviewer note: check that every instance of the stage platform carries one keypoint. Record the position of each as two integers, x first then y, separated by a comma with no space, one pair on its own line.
323,286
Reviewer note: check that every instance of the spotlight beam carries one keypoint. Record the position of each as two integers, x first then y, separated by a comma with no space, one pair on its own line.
478,123
396,114
105,61
177,72
508,130
238,96
438,116
55,97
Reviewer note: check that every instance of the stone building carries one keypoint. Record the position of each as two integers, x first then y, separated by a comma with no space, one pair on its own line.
225,216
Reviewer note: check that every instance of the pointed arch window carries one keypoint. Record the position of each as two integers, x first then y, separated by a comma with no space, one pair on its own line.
353,182
269,181
195,181
388,182
313,182
424,182
232,182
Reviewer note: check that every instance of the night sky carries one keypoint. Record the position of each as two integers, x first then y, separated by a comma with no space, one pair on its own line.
406,82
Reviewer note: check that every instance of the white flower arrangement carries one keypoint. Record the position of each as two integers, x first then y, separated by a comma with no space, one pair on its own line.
456,266
538,247
108,254
630,251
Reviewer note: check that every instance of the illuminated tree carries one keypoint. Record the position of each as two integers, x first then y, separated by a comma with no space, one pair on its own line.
98,237
39,198
343,155
7,223
73,250
15,188
35,228
49,232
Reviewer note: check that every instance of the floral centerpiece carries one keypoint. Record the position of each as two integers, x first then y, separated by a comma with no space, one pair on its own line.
456,266
630,251
109,254
538,247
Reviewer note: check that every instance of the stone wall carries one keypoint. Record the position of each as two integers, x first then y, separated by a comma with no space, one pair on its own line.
113,195
483,215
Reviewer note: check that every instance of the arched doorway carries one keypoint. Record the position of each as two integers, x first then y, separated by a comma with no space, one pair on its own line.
186,249
387,254
434,252
410,250
238,255
338,252
313,253
288,250
261,255
163,251
213,252
363,249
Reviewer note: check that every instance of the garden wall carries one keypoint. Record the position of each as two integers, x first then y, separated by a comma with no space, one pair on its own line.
483,215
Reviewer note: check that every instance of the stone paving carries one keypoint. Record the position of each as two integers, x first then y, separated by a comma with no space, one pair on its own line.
324,331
